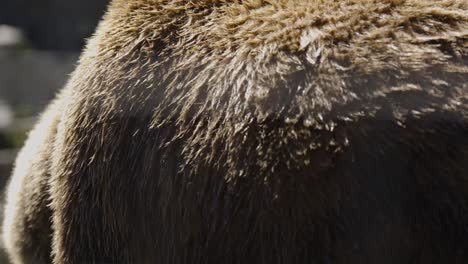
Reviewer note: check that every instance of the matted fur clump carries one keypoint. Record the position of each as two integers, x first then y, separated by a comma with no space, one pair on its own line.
300,131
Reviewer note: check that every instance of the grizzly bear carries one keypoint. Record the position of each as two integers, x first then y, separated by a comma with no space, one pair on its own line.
254,131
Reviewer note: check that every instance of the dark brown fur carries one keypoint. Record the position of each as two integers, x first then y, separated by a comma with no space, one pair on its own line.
254,132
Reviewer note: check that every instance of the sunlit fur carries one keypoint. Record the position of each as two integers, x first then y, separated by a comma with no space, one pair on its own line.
301,131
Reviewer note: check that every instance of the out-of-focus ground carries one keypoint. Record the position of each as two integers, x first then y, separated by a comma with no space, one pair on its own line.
40,42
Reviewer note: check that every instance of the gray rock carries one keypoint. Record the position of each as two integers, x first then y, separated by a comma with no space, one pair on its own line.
29,79
6,115
10,36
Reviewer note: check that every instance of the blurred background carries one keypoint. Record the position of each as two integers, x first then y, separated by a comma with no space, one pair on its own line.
40,42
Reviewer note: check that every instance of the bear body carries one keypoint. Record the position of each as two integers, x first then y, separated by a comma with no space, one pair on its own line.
280,131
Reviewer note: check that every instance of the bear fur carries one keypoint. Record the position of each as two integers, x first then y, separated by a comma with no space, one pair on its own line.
254,131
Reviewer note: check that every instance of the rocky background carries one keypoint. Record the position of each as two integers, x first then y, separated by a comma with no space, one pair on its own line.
40,42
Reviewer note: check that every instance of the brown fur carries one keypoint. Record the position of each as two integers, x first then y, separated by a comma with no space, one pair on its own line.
254,132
